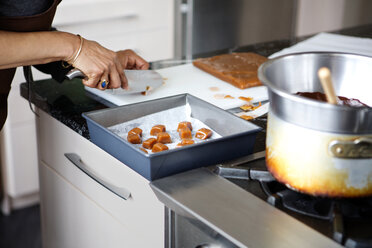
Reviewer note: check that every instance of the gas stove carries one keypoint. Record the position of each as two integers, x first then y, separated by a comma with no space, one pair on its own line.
347,221
240,204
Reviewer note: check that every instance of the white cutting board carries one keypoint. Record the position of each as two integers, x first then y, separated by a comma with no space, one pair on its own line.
188,79
326,42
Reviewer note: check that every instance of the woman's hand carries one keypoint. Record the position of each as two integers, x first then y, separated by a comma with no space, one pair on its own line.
96,62
100,64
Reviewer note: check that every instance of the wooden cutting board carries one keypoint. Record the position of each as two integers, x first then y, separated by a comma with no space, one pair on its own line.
189,79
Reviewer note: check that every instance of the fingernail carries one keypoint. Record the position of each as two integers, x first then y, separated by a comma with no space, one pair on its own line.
103,84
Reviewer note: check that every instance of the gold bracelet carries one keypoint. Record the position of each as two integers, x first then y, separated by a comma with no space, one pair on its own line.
76,55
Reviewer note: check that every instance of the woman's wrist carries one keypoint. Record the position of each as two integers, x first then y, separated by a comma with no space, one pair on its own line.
76,55
71,46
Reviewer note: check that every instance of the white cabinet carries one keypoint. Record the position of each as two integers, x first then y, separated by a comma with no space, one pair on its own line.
67,217
18,150
145,26
78,211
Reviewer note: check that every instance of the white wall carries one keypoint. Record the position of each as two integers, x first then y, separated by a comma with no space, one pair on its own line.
315,16
319,15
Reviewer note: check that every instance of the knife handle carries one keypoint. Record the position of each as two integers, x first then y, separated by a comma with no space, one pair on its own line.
75,73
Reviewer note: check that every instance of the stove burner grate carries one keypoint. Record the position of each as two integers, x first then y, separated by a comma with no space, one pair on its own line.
334,210
338,212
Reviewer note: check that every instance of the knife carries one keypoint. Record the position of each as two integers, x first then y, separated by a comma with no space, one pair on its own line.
138,80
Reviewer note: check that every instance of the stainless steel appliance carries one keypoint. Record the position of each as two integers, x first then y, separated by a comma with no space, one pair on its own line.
203,26
239,204
246,207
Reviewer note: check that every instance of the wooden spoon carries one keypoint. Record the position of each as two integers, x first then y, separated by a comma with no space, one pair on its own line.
325,78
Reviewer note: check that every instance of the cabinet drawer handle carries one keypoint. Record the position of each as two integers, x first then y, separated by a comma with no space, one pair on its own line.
76,160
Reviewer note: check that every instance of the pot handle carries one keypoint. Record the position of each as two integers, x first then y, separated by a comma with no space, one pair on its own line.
352,149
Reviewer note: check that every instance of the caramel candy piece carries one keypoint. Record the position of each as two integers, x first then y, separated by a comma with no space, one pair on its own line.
214,88
148,144
158,147
157,129
247,99
247,107
229,97
144,150
164,137
186,142
246,117
185,133
203,133
184,124
134,138
136,130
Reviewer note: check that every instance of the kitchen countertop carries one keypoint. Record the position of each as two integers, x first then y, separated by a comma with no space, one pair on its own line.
66,101
267,225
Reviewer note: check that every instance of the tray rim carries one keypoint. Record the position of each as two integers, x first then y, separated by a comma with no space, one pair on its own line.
163,153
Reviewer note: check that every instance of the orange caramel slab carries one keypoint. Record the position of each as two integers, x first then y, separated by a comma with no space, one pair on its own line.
238,69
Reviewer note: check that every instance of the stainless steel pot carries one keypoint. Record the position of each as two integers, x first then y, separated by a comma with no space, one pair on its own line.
312,146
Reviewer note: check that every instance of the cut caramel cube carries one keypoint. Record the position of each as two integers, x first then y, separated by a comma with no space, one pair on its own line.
149,143
229,97
247,99
136,130
185,133
134,138
184,124
164,137
203,133
186,142
158,147
157,129
144,150
246,117
247,107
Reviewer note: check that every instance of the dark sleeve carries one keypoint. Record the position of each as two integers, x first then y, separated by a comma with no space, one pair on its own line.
20,8
55,69
26,8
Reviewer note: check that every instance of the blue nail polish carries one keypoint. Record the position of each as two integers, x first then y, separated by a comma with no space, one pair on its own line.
103,84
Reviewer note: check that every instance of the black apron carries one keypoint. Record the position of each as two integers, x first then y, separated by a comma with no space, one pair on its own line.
39,22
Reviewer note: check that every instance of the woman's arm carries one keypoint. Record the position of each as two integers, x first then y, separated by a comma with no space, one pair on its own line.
29,48
95,61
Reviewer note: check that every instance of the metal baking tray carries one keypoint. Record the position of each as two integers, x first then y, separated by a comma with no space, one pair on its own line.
237,136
